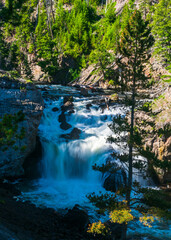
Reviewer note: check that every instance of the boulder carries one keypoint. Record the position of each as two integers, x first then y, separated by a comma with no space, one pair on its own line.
65,126
14,99
84,91
88,106
115,180
67,106
62,117
68,98
73,135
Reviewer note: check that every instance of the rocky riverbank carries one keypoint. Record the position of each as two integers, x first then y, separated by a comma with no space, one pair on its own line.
153,121
18,96
23,220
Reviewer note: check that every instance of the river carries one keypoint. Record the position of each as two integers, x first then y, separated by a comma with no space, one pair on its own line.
66,170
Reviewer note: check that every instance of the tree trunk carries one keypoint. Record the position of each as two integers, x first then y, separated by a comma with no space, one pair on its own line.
124,230
131,143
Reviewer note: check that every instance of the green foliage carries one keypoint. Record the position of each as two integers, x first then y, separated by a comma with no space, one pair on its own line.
145,7
146,107
158,199
9,132
103,202
27,28
135,43
127,13
110,15
102,58
161,29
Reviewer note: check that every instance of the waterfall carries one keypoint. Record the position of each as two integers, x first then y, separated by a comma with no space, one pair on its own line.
66,169
66,166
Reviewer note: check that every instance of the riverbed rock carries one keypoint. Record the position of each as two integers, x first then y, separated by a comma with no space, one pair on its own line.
67,106
113,181
73,135
71,111
84,91
88,106
15,97
24,221
65,126
55,109
68,98
62,117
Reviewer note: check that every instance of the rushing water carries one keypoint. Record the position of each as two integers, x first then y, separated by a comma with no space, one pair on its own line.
66,167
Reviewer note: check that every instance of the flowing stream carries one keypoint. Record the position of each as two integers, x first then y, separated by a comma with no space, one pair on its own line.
66,166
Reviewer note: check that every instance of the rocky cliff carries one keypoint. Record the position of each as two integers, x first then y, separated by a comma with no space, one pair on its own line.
17,96
154,124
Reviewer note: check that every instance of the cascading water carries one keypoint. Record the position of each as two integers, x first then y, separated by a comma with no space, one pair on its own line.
66,167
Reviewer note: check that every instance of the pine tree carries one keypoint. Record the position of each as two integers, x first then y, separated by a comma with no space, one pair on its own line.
134,45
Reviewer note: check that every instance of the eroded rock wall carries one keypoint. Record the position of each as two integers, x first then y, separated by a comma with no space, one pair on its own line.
14,97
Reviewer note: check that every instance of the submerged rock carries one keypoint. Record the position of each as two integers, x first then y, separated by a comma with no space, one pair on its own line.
55,109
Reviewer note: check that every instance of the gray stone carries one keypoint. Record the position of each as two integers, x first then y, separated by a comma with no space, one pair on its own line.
65,126
73,135
30,102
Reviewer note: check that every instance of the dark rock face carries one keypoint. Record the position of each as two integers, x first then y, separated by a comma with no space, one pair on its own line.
77,218
14,97
31,163
115,180
66,62
75,134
